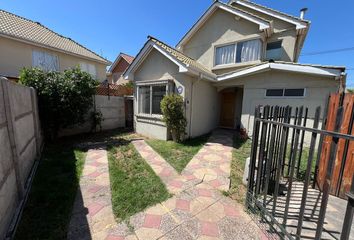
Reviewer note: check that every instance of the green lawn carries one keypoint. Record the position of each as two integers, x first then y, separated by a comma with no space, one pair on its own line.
178,154
48,209
241,151
134,185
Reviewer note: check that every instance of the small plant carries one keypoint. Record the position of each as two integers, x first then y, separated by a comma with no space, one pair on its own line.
172,111
96,119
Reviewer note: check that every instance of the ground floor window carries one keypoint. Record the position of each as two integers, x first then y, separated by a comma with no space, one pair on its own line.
150,97
285,92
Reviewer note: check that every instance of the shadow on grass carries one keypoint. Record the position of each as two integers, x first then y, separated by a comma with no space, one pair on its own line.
48,209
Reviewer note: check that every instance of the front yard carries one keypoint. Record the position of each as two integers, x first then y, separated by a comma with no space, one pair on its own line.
134,185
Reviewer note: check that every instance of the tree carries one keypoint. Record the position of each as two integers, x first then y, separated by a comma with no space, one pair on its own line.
64,99
172,110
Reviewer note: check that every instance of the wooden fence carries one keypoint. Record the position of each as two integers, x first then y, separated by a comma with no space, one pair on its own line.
113,90
340,118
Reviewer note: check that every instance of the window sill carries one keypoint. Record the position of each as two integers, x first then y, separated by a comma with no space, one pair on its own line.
149,116
243,64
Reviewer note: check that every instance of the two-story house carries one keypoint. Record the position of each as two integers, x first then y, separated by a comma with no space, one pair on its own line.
116,70
25,43
236,56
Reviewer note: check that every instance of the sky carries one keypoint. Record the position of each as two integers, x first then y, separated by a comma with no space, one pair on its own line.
109,27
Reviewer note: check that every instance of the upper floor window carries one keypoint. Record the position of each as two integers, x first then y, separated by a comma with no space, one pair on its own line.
274,50
285,92
45,61
89,68
246,51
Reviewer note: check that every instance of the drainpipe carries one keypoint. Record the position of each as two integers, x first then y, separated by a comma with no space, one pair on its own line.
191,104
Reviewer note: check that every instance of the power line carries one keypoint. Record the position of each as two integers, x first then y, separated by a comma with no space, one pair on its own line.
328,51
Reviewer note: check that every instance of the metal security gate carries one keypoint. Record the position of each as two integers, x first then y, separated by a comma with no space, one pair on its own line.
282,188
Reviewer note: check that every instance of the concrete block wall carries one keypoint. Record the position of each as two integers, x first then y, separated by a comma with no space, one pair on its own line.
113,111
20,142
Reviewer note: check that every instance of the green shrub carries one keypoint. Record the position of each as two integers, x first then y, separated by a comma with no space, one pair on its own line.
64,99
172,111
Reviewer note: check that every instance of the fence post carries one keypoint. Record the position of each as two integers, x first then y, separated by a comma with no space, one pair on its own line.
35,121
253,155
308,173
10,120
330,166
348,219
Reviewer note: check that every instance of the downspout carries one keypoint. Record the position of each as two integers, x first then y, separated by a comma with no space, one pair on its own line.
191,104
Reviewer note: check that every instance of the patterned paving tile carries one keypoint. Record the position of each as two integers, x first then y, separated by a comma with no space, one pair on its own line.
197,210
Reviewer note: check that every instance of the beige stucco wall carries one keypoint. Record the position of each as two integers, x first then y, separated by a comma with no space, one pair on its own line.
202,100
223,28
317,91
14,55
154,68
205,108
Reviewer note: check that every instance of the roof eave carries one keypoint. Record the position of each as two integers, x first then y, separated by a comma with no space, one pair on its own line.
182,68
263,25
325,72
300,24
103,61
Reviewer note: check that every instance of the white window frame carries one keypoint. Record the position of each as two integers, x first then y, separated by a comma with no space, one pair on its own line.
235,43
49,54
150,84
265,93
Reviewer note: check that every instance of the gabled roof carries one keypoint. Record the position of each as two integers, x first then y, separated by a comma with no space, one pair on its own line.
22,29
264,24
129,59
298,22
311,69
185,63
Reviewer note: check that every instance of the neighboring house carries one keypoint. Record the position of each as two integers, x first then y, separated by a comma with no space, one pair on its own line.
115,72
235,57
24,43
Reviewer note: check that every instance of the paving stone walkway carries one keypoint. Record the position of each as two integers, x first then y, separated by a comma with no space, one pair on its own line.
198,210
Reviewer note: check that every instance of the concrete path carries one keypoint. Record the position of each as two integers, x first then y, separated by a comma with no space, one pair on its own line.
197,210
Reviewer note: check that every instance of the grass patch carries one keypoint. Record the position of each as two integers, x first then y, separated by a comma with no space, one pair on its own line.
241,151
48,209
134,185
178,154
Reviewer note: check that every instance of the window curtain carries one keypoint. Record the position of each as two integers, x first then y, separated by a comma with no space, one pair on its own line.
45,61
225,55
251,50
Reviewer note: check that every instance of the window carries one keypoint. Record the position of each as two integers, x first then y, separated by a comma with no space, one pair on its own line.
274,92
240,52
158,92
285,92
45,61
89,68
294,92
150,97
144,99
274,50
